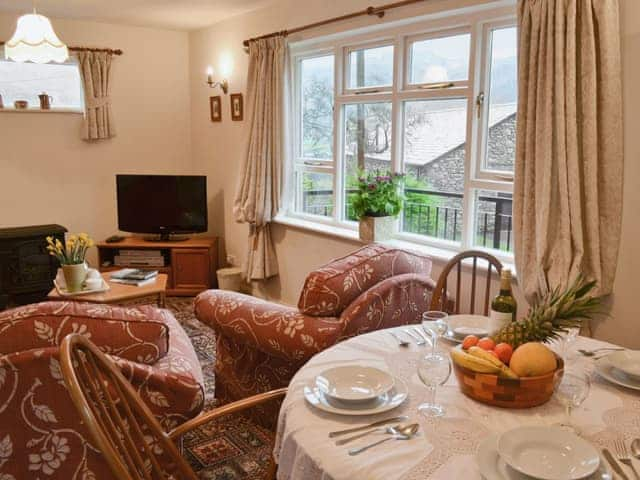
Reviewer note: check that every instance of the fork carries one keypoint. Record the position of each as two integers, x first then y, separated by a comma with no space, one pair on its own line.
591,353
418,339
401,341
622,452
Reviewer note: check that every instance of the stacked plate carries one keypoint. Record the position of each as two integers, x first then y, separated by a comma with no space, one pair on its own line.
543,453
355,390
462,325
621,368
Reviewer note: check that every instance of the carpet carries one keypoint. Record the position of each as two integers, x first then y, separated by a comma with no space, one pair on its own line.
232,448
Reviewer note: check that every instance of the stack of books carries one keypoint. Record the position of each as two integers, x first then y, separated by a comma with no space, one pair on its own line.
146,258
134,276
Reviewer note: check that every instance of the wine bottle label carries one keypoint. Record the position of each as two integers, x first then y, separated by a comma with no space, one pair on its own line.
501,318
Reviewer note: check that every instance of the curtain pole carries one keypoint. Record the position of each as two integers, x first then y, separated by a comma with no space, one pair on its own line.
89,49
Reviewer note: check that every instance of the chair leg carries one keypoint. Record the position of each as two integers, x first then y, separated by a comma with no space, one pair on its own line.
273,468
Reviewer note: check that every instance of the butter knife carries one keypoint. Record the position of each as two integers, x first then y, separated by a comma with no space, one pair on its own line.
371,425
614,464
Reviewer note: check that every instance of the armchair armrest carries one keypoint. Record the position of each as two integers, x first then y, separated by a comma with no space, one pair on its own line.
398,300
272,328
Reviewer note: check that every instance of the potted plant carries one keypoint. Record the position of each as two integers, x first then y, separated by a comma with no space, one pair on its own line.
72,258
377,202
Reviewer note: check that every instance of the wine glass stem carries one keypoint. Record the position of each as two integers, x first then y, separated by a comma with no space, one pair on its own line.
567,412
434,342
431,395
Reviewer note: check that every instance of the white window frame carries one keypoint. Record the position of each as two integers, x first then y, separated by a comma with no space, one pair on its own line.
477,23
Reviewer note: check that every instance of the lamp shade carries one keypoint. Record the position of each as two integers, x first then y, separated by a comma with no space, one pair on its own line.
35,41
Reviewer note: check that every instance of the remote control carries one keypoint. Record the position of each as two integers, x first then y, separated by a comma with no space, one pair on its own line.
114,239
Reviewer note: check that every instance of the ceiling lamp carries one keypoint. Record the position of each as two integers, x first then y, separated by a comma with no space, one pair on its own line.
35,41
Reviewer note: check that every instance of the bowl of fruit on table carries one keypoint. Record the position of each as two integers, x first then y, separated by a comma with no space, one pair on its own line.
498,375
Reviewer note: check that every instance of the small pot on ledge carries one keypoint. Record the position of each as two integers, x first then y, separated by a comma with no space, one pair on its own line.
376,229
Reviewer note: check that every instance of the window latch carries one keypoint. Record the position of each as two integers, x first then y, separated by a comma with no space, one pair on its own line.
479,103
437,86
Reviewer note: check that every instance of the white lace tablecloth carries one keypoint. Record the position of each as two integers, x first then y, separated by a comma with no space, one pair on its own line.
446,447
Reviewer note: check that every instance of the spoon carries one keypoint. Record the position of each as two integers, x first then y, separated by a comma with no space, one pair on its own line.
592,353
391,430
635,448
402,342
404,433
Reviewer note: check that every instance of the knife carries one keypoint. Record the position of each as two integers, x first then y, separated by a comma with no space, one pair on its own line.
371,425
614,464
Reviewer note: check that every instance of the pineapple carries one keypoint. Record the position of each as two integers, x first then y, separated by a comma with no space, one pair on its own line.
553,314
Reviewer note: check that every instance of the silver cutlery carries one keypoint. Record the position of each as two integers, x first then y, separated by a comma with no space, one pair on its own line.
417,338
379,423
635,448
391,430
623,455
401,342
614,464
423,334
591,353
405,433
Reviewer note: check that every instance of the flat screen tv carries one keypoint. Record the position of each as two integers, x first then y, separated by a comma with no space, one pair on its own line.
162,204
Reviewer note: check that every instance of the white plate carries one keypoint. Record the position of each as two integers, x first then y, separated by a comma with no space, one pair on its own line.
548,453
393,398
627,361
352,383
493,467
612,374
479,323
62,290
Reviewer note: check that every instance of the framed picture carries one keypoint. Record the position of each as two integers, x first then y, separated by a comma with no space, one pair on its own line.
237,107
216,108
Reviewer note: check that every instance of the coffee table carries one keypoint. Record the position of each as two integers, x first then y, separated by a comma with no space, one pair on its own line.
119,292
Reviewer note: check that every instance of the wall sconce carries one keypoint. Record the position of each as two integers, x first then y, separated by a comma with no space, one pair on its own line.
224,84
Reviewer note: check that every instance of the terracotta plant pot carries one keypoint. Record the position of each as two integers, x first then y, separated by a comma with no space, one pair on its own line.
74,276
376,229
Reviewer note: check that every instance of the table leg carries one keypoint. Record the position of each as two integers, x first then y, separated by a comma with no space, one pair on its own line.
161,300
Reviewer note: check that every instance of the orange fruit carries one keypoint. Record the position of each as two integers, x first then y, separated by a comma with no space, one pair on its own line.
469,341
486,343
504,352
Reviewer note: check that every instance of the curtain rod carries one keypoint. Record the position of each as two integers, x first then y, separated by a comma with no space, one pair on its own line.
370,11
89,49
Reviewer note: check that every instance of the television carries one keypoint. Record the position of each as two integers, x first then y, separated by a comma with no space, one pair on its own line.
162,204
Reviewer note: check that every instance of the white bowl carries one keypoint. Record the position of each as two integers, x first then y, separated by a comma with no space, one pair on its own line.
548,453
627,361
354,383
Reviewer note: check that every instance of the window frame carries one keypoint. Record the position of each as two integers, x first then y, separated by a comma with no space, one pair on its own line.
71,61
477,24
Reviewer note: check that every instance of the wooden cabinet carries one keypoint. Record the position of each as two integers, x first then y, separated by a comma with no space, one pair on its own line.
190,265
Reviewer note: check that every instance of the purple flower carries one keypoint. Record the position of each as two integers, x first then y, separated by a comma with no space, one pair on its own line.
372,186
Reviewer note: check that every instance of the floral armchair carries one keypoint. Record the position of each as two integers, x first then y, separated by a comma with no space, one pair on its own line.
261,345
41,435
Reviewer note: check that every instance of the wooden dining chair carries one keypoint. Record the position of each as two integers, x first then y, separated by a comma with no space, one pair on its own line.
441,298
119,422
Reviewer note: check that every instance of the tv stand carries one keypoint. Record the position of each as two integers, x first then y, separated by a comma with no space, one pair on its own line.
190,263
166,237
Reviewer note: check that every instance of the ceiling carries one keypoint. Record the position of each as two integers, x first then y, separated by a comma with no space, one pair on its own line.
172,14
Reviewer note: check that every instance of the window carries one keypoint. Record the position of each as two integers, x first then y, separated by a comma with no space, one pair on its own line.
436,101
25,81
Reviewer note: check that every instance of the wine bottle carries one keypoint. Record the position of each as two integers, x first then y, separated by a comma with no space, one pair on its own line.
504,306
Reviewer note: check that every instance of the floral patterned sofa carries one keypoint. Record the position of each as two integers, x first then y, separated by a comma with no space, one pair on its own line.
260,345
41,435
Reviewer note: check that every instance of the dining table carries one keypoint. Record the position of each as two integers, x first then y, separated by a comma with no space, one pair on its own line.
445,447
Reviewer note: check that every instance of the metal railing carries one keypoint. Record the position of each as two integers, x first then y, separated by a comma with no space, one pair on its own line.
436,214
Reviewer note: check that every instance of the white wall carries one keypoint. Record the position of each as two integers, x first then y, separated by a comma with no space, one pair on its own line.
218,149
49,175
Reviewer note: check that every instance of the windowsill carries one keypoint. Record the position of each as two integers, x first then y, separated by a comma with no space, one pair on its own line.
440,254
38,110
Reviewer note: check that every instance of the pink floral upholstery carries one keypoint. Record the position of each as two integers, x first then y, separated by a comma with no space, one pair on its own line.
260,345
328,290
40,434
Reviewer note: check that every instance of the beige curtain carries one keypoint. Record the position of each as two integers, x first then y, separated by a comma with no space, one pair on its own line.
258,196
569,160
95,68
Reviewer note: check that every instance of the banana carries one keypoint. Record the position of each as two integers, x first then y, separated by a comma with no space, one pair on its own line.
473,363
483,354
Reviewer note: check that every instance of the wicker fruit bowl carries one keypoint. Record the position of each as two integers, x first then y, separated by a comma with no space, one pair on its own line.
524,392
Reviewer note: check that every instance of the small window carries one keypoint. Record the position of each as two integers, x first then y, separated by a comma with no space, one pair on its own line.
25,81
371,67
443,59
493,224
316,89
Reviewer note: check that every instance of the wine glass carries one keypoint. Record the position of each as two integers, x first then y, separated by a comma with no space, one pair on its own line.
434,370
434,322
572,390
567,339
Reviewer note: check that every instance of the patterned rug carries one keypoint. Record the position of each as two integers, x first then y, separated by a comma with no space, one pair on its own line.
231,448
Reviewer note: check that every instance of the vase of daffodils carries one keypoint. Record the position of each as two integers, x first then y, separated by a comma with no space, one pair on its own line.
72,258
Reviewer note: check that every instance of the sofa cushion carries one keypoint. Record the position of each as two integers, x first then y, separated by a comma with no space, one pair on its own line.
137,333
330,289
